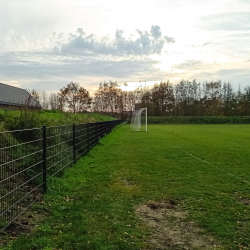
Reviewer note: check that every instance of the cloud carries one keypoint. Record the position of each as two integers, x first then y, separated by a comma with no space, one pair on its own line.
169,39
229,21
31,65
198,45
155,31
238,35
145,44
80,55
236,76
191,64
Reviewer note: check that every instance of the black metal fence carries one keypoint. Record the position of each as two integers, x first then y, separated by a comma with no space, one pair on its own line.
30,157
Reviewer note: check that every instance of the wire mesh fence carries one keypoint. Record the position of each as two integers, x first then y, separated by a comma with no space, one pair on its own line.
29,158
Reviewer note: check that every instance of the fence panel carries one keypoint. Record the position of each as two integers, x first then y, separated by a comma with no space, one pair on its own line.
29,158
81,140
59,145
21,172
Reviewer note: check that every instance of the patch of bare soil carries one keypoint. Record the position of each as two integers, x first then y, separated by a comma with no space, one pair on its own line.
172,229
244,200
24,224
128,182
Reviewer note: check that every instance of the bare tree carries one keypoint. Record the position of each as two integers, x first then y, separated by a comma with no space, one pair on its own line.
44,99
35,94
53,101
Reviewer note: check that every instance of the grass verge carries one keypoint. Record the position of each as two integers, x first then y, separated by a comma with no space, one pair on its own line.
14,119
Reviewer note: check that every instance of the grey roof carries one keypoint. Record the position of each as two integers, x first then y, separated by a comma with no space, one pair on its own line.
10,95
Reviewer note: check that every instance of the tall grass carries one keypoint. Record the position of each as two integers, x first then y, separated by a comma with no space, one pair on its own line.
15,120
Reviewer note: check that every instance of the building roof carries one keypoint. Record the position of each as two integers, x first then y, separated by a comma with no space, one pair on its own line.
14,96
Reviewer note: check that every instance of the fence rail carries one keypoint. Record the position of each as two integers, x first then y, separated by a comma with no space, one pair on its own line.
29,158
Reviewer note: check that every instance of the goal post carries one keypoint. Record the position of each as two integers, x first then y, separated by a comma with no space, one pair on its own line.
139,120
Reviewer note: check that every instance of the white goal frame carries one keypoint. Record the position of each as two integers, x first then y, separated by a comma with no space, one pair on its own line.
136,118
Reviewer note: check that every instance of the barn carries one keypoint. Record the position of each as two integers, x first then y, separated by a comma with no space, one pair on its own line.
16,98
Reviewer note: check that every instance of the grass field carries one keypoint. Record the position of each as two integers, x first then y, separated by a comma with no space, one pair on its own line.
204,169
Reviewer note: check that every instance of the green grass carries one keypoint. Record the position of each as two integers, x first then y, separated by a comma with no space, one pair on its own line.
62,118
205,168
198,119
13,120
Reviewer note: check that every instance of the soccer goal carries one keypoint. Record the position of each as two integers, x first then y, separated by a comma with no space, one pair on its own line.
139,120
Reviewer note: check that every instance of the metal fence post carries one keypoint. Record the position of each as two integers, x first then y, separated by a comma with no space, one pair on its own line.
88,134
100,136
102,129
44,160
74,142
96,132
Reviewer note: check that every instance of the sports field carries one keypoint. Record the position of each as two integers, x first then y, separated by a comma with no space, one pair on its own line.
194,178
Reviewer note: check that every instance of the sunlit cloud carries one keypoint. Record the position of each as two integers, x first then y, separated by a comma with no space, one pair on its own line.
146,43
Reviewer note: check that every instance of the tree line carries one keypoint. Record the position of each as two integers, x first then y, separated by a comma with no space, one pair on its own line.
186,98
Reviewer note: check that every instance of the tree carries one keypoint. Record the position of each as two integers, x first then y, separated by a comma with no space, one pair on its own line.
84,100
108,97
214,105
75,96
44,99
53,101
162,96
35,94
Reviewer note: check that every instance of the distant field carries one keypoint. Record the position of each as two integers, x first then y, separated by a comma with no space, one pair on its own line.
203,169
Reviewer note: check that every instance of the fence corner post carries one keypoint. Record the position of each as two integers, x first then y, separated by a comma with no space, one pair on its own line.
44,159
74,143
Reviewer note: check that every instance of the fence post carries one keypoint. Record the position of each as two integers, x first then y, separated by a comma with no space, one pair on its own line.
96,135
88,134
100,133
74,142
44,160
102,129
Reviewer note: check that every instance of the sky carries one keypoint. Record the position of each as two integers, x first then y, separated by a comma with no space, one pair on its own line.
47,44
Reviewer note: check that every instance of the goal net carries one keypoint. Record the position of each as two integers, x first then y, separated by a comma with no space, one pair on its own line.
139,120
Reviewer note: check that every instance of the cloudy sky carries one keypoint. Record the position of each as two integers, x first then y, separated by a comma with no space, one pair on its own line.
46,44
